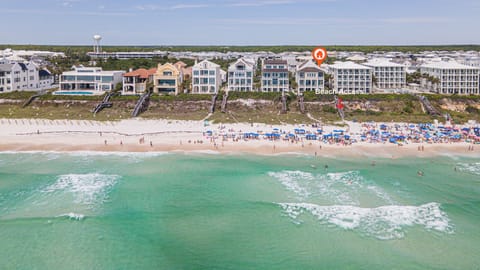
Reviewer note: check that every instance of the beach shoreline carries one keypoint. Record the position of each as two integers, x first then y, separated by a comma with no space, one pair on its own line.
170,136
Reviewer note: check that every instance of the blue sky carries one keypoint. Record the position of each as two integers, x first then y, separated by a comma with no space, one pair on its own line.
240,22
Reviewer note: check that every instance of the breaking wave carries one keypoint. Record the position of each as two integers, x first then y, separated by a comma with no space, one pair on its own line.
385,222
340,187
473,168
73,216
86,189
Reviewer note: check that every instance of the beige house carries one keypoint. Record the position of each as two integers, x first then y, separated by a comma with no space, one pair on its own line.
167,79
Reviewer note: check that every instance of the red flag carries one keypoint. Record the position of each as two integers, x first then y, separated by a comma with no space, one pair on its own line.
340,104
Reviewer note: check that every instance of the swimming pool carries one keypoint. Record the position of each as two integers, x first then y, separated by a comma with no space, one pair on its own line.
76,93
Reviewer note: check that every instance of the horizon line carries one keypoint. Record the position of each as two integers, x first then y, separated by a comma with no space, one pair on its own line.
251,45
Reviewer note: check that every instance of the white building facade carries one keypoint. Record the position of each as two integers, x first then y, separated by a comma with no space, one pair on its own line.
388,75
351,78
310,77
22,77
206,78
240,75
92,79
454,78
275,76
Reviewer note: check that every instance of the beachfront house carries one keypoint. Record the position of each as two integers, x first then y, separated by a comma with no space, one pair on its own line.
19,76
135,82
184,69
274,76
240,75
388,75
351,78
206,78
90,80
167,79
310,77
45,79
452,78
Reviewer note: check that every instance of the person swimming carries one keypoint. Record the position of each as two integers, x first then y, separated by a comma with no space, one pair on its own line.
420,173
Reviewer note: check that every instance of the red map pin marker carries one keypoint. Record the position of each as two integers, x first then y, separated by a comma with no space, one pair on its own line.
319,54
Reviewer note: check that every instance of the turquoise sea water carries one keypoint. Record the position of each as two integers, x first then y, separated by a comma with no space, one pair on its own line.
175,211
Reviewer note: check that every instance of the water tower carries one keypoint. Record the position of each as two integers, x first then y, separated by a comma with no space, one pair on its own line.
96,45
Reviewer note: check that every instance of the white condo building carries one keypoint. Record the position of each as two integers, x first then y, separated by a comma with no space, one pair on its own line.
275,76
388,75
351,78
92,79
310,77
17,76
206,78
240,75
454,78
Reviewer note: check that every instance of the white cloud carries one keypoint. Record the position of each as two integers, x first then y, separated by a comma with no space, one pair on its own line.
261,3
188,6
174,7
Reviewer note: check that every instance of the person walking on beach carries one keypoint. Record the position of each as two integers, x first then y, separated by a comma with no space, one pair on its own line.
151,144
105,142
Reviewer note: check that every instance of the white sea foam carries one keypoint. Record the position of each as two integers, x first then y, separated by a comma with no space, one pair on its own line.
294,181
86,188
339,187
385,222
473,168
73,216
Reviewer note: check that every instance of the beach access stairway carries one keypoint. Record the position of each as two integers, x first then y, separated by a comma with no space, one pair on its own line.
301,103
32,98
214,100
105,103
224,103
428,106
284,103
142,104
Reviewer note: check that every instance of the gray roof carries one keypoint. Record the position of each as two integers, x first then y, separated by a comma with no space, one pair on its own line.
6,67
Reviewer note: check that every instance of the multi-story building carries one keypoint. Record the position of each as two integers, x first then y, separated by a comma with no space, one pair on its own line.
167,79
351,78
310,77
388,75
453,78
240,75
45,79
206,78
91,79
135,82
275,76
17,76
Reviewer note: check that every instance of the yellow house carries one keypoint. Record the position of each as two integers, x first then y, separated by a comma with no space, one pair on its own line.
167,79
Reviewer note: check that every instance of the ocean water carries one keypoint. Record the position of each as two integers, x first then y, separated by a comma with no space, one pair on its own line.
204,211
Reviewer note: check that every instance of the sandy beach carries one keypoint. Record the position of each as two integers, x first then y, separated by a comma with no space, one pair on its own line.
137,135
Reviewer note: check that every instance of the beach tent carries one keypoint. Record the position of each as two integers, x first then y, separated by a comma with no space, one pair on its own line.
299,131
311,137
327,136
383,127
